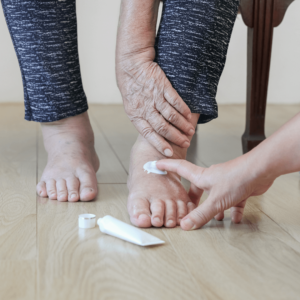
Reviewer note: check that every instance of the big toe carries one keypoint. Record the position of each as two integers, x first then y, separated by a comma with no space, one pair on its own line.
139,212
88,186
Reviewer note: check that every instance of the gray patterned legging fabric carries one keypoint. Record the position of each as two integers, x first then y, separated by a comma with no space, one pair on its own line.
191,48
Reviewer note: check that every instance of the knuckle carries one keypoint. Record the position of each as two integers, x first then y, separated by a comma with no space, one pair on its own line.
162,128
175,101
173,118
147,132
201,218
218,205
51,191
72,192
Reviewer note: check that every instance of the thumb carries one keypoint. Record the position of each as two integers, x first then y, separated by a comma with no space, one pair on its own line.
200,215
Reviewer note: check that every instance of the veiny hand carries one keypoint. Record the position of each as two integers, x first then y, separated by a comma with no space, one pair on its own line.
154,107
228,185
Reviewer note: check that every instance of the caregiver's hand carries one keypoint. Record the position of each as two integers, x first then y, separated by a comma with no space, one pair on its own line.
150,101
228,185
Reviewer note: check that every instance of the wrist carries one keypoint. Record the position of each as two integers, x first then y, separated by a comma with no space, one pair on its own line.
260,166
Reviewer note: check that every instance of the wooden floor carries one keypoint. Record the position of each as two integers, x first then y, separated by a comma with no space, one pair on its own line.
43,254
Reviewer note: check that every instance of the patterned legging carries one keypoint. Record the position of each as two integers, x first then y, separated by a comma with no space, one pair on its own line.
191,48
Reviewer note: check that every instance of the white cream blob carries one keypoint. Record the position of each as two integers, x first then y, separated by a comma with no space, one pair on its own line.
150,167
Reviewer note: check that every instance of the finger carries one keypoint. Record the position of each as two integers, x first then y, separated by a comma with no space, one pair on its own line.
181,210
175,118
170,213
157,209
195,194
176,101
183,168
158,142
237,212
199,216
164,129
219,216
190,207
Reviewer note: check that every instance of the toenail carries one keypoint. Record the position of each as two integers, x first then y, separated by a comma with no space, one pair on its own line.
142,216
188,224
156,219
73,196
170,223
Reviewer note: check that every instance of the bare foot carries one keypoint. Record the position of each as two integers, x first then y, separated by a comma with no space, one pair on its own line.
156,199
70,174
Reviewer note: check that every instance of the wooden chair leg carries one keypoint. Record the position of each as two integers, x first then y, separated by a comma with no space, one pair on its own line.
261,16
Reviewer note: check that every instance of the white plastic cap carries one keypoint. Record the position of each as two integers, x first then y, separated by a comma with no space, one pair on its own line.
86,221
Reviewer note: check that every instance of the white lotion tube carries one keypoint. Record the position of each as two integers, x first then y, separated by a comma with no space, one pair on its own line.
126,232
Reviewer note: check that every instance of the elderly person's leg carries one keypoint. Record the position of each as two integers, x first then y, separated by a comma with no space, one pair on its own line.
191,49
44,34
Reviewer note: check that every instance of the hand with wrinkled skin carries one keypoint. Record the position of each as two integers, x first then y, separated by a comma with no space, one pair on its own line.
150,101
230,184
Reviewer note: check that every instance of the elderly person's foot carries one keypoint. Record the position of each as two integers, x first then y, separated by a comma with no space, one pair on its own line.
70,174
156,200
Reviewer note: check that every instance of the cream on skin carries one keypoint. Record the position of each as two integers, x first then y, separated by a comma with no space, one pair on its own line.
230,184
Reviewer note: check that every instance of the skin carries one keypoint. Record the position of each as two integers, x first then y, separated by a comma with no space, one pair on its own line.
151,103
70,174
156,200
230,184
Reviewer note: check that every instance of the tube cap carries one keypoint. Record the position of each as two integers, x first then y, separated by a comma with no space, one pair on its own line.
86,221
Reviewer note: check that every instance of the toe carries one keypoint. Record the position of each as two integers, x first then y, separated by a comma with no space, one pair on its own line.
237,212
88,186
51,189
181,211
157,209
139,212
190,207
41,189
170,213
219,216
73,189
61,188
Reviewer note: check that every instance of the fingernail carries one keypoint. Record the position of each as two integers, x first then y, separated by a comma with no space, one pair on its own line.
168,153
192,131
73,196
186,144
188,224
189,116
